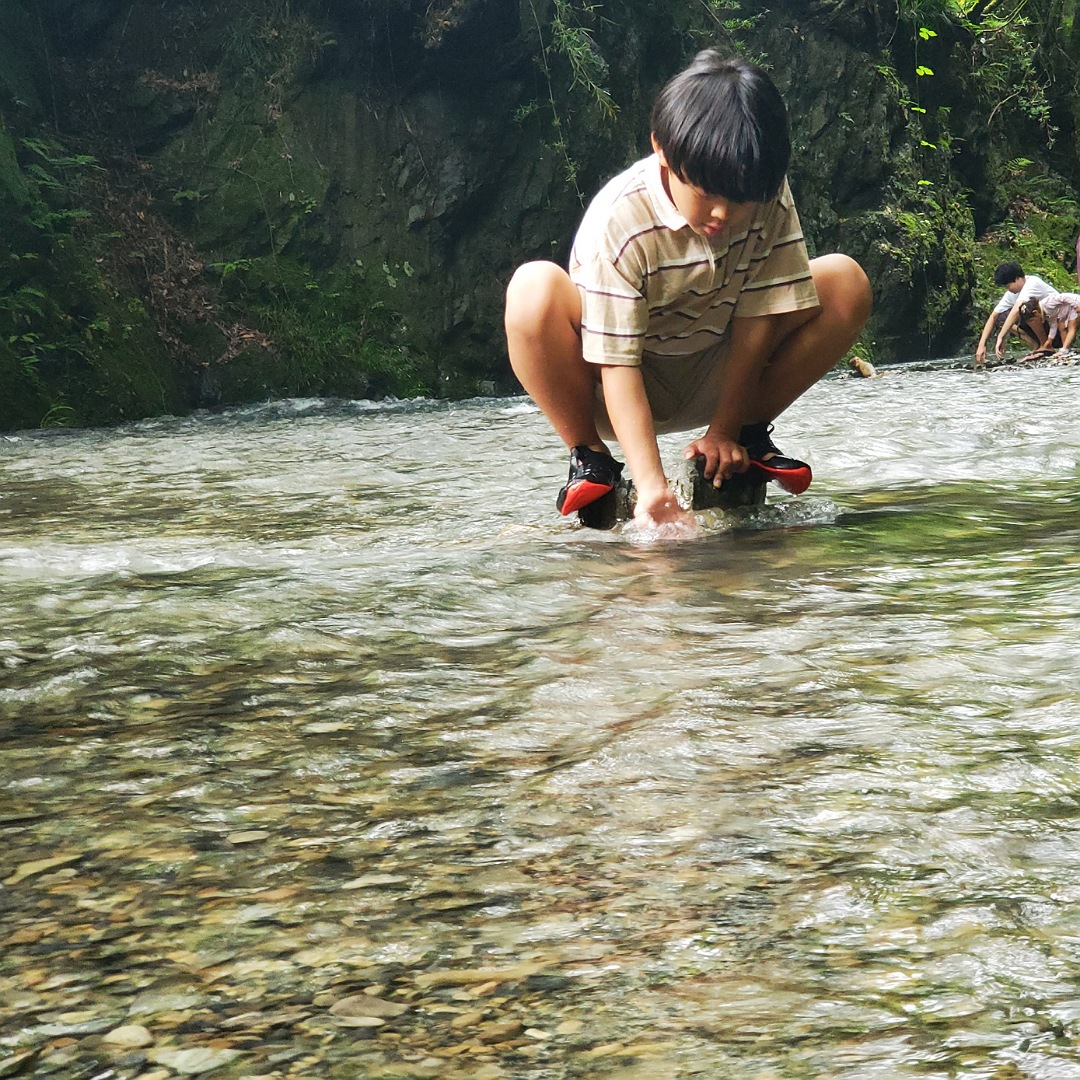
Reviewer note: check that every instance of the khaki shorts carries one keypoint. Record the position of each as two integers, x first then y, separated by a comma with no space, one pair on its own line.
683,391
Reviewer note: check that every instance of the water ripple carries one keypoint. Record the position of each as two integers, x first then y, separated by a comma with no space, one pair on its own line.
795,798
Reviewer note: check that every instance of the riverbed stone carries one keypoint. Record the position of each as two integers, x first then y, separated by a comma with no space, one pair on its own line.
364,1005
16,1063
477,976
129,1036
194,1061
248,836
40,866
360,1021
468,1019
498,1030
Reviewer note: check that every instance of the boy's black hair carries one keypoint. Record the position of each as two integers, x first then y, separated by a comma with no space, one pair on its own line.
1007,273
723,128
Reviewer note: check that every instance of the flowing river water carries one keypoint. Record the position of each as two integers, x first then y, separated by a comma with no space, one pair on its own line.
330,750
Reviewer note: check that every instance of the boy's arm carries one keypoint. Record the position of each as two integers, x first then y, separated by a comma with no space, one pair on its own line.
632,422
1006,326
988,326
752,342
1053,324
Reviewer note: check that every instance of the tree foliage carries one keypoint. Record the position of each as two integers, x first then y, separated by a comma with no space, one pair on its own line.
206,201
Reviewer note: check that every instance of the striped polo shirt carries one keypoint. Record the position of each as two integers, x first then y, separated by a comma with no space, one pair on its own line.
650,284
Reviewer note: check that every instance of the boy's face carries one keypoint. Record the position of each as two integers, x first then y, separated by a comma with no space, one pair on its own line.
707,215
1017,285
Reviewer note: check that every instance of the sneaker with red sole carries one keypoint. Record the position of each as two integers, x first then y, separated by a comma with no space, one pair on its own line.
791,474
592,475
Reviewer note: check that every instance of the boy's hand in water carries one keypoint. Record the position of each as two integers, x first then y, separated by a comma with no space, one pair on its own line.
723,456
660,507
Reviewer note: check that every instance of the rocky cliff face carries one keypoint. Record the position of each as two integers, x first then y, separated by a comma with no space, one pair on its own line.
238,199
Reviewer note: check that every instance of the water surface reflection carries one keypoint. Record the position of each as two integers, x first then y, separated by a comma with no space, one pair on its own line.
302,713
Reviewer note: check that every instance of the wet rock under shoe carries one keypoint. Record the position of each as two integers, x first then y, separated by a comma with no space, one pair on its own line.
687,481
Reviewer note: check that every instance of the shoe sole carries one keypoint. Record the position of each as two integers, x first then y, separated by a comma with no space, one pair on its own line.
581,494
793,481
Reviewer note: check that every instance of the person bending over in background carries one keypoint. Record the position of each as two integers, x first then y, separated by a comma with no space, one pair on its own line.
1017,309
689,302
1060,311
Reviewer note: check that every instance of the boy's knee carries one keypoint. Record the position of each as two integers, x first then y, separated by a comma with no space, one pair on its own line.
843,287
537,291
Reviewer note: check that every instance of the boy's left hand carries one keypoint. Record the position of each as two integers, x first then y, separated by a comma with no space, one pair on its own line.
723,456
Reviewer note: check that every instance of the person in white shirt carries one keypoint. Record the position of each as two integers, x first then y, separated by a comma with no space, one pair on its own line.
1018,308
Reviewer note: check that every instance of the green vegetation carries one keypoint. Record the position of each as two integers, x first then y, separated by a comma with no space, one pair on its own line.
569,40
340,332
1038,231
72,349
204,204
987,97
111,307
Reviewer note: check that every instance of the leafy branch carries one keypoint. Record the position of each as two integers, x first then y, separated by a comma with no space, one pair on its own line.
588,71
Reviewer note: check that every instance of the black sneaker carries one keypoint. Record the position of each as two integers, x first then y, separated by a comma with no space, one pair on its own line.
790,473
592,475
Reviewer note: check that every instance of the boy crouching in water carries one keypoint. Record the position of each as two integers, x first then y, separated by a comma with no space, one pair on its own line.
690,300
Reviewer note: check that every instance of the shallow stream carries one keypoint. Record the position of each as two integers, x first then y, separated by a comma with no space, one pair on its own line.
330,750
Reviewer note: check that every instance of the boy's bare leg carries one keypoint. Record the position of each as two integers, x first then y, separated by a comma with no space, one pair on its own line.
1029,337
808,343
543,336
1066,337
543,332
1035,330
